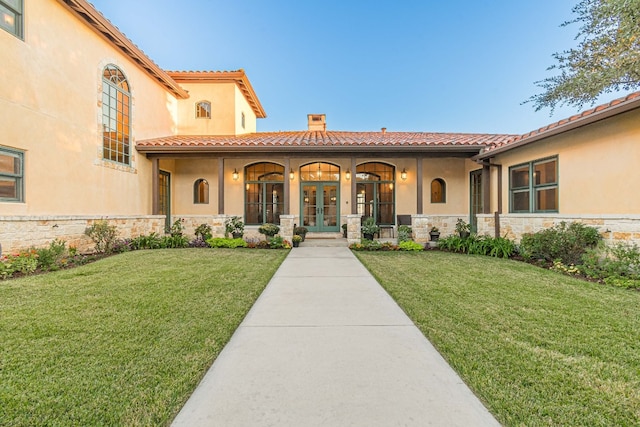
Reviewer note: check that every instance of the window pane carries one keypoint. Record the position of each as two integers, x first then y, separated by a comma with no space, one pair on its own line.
9,164
8,188
547,199
520,202
8,20
520,177
14,4
545,173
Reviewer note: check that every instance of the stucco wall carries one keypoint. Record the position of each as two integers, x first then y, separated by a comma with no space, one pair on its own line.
597,167
50,103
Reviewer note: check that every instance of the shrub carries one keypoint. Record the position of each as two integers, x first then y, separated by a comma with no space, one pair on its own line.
150,241
174,241
564,242
373,245
296,238
410,245
176,229
121,245
269,230
223,242
617,261
499,247
234,226
404,233
103,235
203,231
277,242
50,258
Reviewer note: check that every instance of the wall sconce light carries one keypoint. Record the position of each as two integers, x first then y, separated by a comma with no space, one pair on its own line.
347,175
403,174
291,174
235,174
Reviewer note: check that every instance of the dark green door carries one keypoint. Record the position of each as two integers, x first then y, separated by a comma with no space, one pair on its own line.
320,206
164,194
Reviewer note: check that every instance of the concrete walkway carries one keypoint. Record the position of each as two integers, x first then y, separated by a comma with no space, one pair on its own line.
325,345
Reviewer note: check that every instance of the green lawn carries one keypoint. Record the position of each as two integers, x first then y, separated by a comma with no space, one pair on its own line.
125,340
538,348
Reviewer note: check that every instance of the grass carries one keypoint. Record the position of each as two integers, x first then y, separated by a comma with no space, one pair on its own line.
538,348
125,340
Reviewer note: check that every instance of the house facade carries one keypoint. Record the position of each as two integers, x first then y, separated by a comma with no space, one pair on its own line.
94,129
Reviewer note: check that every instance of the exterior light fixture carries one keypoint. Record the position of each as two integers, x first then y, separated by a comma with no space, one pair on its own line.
291,174
347,175
235,174
403,174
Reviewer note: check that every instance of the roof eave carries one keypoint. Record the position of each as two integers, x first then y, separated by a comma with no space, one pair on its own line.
220,149
597,116
238,77
94,19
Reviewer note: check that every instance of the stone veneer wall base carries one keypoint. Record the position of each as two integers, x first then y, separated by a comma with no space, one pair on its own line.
613,228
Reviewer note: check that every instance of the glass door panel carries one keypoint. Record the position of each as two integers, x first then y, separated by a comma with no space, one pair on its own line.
309,206
330,206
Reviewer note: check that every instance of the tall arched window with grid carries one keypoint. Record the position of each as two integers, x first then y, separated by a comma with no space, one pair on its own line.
116,116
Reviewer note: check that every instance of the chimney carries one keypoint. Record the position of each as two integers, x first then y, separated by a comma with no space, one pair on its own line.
317,122
384,130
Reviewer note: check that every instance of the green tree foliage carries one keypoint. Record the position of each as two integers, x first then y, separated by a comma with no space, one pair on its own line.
607,58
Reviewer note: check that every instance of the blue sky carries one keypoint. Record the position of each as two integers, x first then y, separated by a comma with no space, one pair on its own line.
411,65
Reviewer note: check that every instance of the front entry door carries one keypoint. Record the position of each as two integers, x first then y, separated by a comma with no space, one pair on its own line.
320,206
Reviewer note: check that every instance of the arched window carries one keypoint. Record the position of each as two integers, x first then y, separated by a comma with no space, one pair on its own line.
264,193
438,191
116,115
376,191
203,110
201,191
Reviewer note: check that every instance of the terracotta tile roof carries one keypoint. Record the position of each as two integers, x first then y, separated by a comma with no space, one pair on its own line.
305,140
600,112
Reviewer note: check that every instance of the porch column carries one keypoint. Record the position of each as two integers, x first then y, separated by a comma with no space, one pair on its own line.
155,186
221,186
419,202
486,189
287,168
354,188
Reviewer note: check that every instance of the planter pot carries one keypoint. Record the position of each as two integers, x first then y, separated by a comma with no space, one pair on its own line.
295,244
344,233
464,234
368,236
237,235
434,236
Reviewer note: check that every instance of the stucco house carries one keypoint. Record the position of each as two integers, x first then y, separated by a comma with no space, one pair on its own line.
94,129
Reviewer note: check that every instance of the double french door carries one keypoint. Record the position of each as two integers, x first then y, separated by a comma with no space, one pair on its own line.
320,206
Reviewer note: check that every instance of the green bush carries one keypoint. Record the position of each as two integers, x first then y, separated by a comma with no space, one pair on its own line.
51,258
277,242
373,245
617,264
174,241
223,242
410,245
269,230
103,235
149,241
564,242
499,247
203,231
404,233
